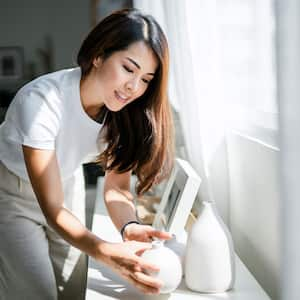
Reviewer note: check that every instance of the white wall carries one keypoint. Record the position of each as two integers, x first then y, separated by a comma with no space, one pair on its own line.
288,64
25,23
254,208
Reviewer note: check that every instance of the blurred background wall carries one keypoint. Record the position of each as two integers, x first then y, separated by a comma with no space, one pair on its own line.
54,28
46,36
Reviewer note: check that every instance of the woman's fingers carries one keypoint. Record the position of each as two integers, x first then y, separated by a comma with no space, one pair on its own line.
124,259
147,280
145,265
136,266
141,286
134,263
139,252
141,281
163,235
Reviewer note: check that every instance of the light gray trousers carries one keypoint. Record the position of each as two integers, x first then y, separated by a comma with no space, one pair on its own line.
35,262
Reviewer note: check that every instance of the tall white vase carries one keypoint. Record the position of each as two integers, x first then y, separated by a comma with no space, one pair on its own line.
209,260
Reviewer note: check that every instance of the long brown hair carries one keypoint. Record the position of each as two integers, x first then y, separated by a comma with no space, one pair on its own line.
140,136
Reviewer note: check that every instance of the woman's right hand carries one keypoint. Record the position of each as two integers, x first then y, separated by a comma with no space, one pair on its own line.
124,258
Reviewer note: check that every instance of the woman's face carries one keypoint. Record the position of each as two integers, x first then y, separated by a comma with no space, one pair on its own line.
124,76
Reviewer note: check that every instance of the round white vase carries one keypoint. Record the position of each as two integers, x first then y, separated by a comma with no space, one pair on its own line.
178,245
209,257
170,272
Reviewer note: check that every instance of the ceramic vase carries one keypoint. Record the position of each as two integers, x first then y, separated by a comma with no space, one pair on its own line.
178,245
170,272
209,257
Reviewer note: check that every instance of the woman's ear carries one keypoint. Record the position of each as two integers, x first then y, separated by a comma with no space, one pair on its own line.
97,61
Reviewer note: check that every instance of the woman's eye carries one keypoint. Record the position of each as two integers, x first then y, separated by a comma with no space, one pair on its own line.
146,81
127,69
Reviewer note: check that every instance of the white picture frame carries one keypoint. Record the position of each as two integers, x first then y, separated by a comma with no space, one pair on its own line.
178,198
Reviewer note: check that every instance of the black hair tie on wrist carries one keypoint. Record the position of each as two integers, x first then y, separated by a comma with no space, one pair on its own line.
124,226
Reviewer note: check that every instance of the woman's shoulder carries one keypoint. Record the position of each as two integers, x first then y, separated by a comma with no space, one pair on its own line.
43,94
47,85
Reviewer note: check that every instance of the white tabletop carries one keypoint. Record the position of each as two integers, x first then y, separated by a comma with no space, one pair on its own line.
103,283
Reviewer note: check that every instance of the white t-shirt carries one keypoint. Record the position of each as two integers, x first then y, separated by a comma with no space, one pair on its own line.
47,114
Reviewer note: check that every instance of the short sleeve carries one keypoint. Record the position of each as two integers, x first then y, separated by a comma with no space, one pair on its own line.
37,118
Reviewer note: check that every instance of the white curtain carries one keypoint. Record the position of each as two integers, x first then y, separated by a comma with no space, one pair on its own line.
183,90
221,76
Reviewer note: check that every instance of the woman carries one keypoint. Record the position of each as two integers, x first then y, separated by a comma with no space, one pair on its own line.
51,128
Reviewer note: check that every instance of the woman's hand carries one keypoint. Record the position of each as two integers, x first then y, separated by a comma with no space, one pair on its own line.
144,233
124,258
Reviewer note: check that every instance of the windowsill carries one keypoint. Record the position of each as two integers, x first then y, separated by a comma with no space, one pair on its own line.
265,136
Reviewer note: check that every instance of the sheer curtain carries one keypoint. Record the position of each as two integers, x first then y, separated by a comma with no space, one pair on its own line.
246,34
182,87
221,77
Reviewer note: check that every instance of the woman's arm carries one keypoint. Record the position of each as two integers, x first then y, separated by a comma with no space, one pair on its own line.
118,199
121,209
45,178
124,258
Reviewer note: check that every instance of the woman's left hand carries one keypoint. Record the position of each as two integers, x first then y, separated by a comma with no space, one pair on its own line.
144,233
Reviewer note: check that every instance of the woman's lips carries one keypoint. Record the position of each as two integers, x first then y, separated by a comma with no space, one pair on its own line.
120,97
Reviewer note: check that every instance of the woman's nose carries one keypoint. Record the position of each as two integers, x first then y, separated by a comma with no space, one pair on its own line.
132,86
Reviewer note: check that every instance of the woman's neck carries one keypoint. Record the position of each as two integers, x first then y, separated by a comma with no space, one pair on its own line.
88,99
